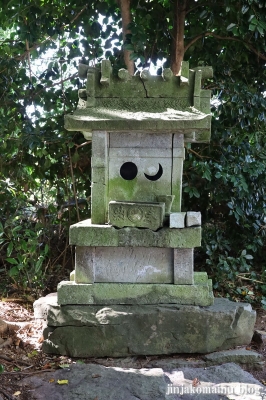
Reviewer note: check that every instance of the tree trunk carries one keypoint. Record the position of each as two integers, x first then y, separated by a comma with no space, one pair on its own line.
126,19
178,36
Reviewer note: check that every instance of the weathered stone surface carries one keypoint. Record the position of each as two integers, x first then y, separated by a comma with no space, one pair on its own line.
149,103
84,264
167,200
92,381
99,203
133,265
85,233
129,293
238,356
119,331
193,218
221,382
152,177
183,266
136,214
139,144
164,120
177,220
177,173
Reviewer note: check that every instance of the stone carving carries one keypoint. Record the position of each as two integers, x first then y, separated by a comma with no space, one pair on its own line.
136,251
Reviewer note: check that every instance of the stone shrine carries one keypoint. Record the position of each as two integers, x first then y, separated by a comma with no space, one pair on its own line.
134,289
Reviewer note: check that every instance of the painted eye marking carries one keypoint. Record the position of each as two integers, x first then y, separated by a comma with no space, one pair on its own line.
128,171
156,176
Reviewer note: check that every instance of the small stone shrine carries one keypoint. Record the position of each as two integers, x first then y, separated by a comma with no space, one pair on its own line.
134,289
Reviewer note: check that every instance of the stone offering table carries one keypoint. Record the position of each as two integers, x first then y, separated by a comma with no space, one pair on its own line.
134,268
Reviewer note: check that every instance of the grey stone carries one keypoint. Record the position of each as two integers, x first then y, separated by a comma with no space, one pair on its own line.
134,293
98,195
153,175
168,200
43,304
177,173
84,264
123,330
136,214
92,381
193,218
238,356
133,265
85,233
227,381
183,266
138,140
177,220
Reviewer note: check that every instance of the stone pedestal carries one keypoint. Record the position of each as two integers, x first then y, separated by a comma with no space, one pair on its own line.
123,330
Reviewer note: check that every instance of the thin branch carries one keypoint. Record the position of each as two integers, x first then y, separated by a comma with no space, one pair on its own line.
232,38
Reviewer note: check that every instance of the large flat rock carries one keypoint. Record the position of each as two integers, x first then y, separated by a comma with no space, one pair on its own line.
91,382
124,330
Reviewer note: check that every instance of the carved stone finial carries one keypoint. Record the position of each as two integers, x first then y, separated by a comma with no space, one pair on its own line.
123,74
83,70
167,74
145,74
106,70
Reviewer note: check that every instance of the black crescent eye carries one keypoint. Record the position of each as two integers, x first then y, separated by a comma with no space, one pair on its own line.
156,176
128,171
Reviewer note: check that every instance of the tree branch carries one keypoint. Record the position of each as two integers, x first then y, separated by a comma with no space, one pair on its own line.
232,38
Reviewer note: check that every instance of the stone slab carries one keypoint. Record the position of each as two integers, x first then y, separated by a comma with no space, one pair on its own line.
124,265
133,264
166,120
183,266
85,233
136,140
238,356
129,293
123,330
91,381
136,214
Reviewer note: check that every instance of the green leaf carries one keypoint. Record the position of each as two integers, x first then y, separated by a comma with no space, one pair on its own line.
230,27
9,249
12,261
2,368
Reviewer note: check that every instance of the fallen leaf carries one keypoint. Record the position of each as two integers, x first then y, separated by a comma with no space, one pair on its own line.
96,376
33,353
46,366
51,380
17,393
195,382
62,382
41,339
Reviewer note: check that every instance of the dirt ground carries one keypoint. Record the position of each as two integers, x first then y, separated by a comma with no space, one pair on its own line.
21,355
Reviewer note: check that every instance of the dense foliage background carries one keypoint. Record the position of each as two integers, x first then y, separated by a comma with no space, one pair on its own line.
45,170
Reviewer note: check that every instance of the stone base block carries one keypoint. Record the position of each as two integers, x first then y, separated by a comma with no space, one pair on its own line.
200,293
124,330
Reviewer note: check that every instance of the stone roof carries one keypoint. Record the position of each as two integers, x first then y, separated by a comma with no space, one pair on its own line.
143,103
